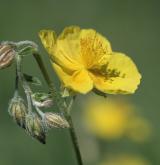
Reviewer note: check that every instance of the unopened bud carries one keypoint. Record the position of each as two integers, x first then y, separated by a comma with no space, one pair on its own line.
53,120
42,100
17,110
7,54
44,104
35,127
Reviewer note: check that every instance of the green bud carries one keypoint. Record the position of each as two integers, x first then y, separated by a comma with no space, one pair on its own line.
53,120
7,55
17,110
42,100
34,127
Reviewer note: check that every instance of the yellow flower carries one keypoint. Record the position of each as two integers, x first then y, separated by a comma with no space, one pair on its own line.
83,60
112,119
125,159
107,119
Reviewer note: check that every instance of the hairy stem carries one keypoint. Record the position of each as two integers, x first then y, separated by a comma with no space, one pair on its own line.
72,132
16,83
24,83
61,105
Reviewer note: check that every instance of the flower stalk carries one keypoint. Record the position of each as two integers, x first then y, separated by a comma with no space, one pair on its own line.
61,105
24,83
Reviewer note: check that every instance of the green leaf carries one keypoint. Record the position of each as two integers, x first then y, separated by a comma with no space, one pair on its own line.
40,96
31,79
42,100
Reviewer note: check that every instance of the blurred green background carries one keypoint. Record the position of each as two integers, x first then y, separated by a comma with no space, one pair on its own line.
131,26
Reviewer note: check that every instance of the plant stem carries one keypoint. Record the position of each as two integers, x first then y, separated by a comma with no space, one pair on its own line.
24,83
16,83
74,139
61,105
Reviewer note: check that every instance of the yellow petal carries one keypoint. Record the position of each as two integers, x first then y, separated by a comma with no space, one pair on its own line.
48,38
68,43
122,76
78,81
70,33
63,49
67,50
95,48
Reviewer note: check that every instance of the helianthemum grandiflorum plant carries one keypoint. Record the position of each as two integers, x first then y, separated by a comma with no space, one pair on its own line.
83,60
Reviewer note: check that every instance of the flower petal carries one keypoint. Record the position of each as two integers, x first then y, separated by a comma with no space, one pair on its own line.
67,50
79,81
48,38
68,43
122,76
95,48
63,48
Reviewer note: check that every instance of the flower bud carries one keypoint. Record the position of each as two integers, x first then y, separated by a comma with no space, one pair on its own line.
7,54
35,127
44,104
53,120
17,110
42,100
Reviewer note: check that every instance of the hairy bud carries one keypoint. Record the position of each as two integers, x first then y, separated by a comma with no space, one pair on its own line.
35,127
17,110
42,100
53,120
7,54
44,104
